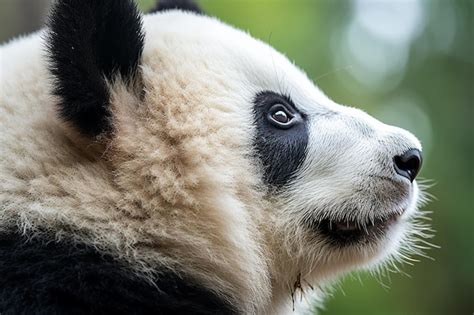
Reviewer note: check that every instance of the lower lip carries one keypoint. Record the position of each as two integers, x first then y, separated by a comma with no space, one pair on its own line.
349,233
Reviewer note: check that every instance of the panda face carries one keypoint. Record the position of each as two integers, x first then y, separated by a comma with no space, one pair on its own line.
329,172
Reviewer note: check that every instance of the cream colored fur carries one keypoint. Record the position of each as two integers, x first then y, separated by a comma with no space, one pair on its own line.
177,183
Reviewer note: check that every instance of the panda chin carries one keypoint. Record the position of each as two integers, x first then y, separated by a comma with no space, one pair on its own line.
349,232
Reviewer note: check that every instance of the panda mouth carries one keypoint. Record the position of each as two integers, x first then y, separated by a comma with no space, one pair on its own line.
350,232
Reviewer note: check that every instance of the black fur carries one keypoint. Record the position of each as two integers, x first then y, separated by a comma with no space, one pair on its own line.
90,41
282,151
41,276
184,5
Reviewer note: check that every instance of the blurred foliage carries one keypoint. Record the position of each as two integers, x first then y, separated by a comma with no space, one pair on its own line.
409,63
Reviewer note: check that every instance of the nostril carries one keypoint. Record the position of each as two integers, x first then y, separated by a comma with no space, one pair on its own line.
408,164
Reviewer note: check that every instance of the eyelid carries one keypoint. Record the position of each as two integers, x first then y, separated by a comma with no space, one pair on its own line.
279,106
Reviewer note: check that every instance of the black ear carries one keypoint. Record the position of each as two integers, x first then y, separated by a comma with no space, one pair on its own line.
184,5
89,42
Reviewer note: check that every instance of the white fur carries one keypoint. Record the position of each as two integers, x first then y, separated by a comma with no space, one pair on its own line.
178,172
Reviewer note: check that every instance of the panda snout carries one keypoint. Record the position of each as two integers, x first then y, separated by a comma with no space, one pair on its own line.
408,164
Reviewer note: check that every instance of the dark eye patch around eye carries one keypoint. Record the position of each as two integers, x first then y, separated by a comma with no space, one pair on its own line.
281,146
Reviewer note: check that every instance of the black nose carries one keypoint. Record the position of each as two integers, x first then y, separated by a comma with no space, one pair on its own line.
408,164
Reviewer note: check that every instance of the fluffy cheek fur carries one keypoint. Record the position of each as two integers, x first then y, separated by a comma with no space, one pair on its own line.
191,182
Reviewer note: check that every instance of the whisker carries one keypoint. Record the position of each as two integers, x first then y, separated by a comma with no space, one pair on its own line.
346,68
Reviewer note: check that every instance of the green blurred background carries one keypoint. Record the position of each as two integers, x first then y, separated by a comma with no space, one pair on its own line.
407,62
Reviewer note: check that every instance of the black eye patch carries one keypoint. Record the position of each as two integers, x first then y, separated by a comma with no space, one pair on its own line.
281,139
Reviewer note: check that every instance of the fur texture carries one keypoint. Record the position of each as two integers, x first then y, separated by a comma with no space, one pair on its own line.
50,277
179,184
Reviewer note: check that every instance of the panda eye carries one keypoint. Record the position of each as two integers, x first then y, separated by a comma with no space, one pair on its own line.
280,116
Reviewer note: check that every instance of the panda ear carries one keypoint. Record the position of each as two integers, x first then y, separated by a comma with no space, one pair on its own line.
184,5
90,42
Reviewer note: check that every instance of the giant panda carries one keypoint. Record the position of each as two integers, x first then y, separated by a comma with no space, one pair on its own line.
169,163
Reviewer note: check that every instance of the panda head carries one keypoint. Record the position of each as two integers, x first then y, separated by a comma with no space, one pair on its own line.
230,143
